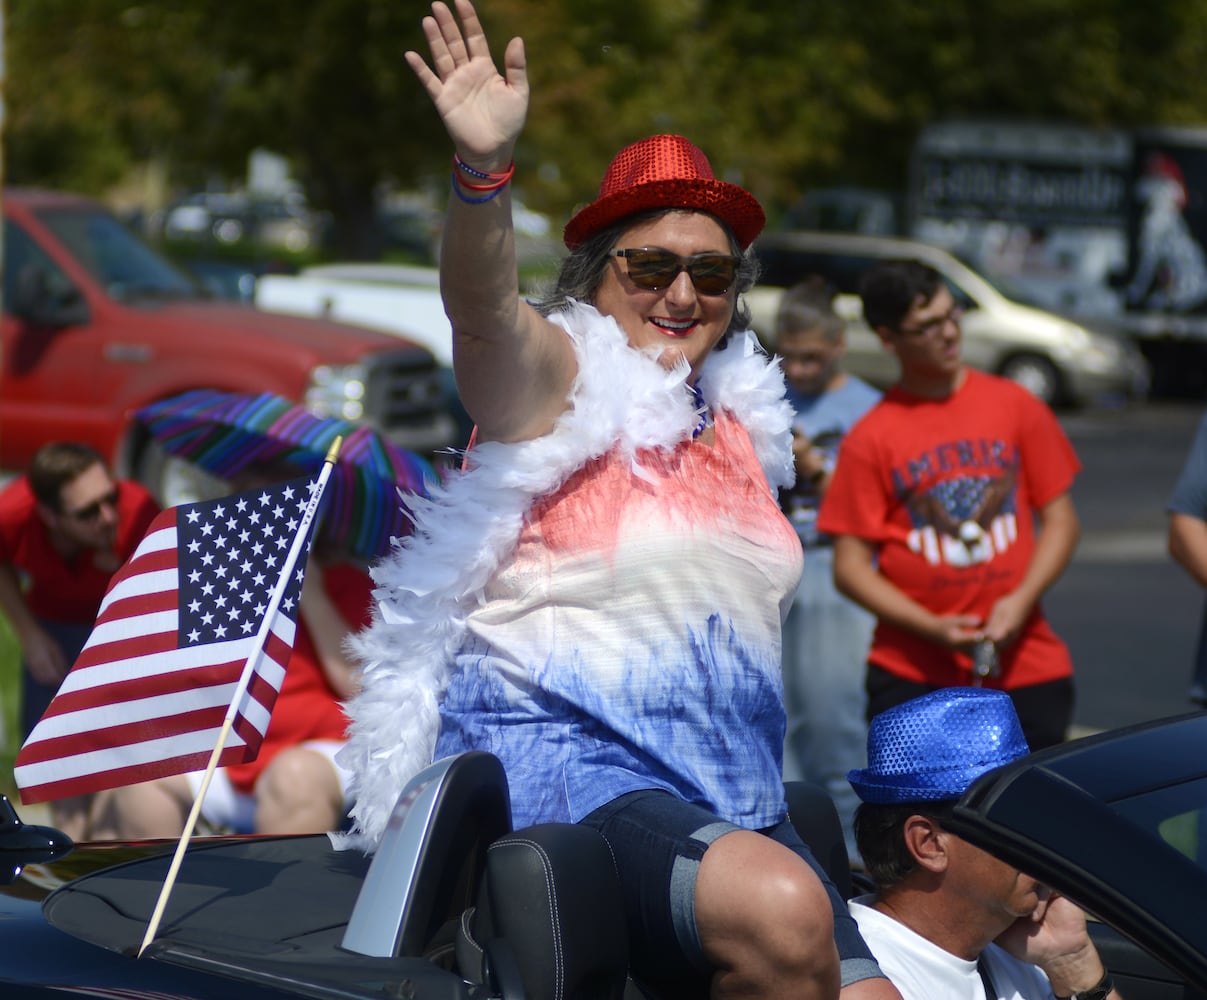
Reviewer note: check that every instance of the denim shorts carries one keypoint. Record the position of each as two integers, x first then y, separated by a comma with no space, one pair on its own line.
657,841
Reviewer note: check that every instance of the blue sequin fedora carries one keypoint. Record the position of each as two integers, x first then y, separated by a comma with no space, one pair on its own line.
933,747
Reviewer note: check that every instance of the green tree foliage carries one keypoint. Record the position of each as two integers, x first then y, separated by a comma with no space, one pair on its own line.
782,94
94,89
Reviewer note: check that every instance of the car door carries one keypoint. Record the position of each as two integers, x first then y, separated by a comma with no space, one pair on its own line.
50,377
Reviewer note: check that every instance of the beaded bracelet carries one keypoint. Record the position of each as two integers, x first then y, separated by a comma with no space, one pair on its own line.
483,175
495,182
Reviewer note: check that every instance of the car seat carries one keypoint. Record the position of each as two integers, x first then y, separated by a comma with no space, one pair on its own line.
548,921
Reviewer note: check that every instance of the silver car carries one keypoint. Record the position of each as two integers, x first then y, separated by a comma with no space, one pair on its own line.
1061,361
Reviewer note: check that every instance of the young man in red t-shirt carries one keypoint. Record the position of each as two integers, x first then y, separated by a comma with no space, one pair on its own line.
65,526
951,513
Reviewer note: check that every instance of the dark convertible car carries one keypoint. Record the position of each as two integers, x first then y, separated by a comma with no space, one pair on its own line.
1117,821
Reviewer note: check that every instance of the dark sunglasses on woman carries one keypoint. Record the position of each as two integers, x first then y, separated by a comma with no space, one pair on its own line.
653,268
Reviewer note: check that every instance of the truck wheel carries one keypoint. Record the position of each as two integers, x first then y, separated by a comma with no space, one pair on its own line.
1036,374
174,481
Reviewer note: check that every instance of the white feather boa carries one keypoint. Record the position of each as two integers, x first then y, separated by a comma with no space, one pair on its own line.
622,398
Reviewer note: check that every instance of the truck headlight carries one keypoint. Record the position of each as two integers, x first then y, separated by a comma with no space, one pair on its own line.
337,391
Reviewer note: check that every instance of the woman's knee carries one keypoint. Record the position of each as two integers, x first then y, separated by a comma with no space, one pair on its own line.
301,778
157,808
755,895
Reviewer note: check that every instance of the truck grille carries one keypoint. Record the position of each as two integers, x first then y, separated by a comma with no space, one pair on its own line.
407,399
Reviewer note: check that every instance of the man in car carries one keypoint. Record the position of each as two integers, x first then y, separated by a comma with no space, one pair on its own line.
949,921
65,526
951,514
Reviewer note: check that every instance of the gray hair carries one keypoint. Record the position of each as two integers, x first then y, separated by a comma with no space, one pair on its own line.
809,305
583,270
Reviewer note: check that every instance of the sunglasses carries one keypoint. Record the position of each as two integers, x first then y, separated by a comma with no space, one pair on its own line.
90,512
654,269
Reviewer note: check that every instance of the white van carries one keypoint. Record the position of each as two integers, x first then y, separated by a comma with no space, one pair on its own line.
1062,361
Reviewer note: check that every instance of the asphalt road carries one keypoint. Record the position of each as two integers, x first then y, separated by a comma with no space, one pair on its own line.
1129,614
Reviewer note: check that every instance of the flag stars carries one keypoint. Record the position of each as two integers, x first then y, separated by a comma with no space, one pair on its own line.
230,564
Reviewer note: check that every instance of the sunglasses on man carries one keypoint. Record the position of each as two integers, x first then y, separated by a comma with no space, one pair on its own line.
653,269
91,511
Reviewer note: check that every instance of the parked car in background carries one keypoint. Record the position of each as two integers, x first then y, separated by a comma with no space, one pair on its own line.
1061,361
400,299
231,217
96,324
1117,822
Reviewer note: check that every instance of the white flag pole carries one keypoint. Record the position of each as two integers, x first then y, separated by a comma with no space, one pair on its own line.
300,538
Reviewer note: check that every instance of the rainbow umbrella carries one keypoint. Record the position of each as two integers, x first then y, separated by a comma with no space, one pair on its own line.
227,434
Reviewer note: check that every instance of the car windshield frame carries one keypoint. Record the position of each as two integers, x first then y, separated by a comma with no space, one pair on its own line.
122,263
1091,818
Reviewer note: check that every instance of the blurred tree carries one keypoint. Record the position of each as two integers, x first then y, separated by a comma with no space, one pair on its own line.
95,90
324,83
784,95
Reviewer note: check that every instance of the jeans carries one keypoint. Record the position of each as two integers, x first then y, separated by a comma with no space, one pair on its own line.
826,640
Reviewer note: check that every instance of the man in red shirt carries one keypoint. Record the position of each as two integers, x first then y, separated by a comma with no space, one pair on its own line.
951,513
65,526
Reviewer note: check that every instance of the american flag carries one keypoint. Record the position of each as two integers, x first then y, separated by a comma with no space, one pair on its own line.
152,687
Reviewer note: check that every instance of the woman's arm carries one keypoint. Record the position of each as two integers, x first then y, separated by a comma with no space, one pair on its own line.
514,368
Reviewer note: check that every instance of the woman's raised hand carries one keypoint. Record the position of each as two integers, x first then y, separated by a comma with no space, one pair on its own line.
482,110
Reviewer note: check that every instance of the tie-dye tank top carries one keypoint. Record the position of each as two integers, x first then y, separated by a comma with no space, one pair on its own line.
633,639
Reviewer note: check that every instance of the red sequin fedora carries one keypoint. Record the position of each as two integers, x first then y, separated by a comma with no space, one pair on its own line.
665,171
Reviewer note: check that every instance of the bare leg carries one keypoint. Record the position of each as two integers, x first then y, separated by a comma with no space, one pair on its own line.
71,816
150,810
299,792
765,921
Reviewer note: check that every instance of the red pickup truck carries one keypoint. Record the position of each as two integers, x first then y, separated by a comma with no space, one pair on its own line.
96,324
